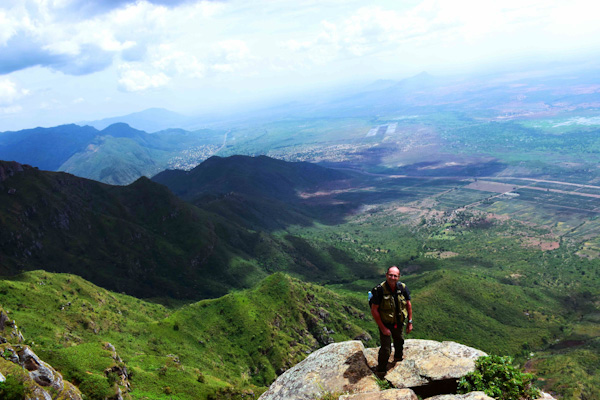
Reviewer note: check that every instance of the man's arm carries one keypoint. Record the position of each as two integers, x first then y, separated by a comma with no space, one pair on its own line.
409,326
377,318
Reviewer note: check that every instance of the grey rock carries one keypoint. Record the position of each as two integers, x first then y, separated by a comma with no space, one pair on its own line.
389,394
468,396
338,367
42,373
426,361
39,394
546,396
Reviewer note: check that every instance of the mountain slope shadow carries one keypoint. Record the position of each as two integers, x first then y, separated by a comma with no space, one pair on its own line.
263,193
139,239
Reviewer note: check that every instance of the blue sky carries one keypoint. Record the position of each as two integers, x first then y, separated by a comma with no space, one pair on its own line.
65,61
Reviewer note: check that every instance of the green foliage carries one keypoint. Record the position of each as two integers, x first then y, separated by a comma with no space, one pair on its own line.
383,384
12,389
95,387
498,378
240,341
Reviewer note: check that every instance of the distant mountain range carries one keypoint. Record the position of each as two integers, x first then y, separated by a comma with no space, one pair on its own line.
150,120
398,127
118,154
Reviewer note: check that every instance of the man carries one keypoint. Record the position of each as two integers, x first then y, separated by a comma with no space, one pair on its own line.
391,308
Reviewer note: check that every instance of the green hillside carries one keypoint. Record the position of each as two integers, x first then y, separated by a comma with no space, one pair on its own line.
120,154
210,349
522,283
141,239
45,148
117,155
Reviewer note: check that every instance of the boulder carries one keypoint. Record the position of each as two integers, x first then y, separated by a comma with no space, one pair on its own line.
42,373
428,363
468,396
44,379
336,368
389,394
430,370
478,396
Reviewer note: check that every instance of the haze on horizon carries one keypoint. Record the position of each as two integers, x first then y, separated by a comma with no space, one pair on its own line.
63,61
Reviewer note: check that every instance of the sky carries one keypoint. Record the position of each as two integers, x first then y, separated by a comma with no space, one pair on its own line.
64,61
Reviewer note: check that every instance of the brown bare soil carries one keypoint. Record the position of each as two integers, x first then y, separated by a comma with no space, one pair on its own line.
541,244
441,254
487,186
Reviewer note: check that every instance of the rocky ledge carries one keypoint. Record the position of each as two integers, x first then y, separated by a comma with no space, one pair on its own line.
430,370
42,381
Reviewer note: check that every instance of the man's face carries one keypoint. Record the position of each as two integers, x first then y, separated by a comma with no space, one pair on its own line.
392,277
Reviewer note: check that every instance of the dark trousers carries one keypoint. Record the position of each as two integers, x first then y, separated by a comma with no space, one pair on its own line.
386,346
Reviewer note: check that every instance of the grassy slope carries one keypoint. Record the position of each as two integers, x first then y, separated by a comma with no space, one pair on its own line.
232,343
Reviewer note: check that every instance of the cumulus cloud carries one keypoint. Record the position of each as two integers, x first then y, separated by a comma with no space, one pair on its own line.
10,93
135,80
79,37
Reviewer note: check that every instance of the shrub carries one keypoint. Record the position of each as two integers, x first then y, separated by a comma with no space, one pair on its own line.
498,378
95,387
12,389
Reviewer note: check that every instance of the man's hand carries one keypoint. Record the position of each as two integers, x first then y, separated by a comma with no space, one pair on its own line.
409,328
386,331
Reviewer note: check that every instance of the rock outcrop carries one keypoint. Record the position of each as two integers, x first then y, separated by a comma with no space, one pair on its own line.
429,370
338,367
429,367
41,380
10,168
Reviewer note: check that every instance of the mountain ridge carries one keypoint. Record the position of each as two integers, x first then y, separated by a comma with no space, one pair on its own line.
144,240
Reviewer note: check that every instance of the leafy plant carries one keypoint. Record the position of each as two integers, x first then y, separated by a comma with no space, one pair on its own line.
498,378
12,389
383,384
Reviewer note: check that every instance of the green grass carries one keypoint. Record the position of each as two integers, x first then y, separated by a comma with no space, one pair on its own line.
228,345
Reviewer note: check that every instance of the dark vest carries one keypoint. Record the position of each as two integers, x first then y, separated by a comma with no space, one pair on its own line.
392,309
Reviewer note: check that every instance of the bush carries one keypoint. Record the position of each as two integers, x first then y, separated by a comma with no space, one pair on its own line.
96,387
12,389
498,378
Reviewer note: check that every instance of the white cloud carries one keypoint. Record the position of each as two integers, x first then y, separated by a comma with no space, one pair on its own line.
10,93
11,110
174,62
8,27
135,80
190,45
231,55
